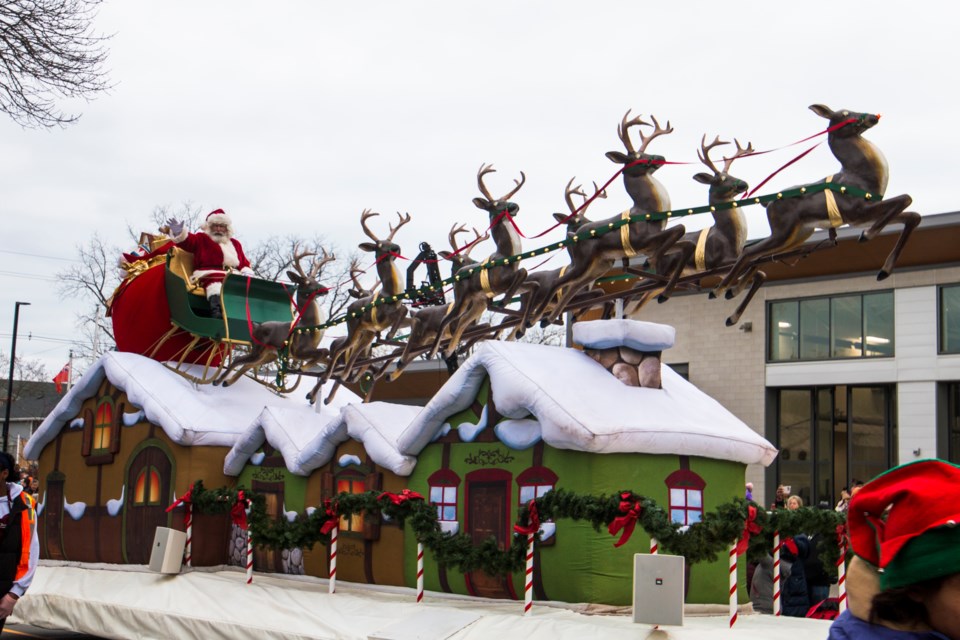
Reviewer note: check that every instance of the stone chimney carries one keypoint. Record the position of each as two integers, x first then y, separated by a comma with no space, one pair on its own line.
628,349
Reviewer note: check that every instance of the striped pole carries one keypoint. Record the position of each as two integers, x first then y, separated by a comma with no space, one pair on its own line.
776,574
528,587
733,584
188,551
249,558
419,572
842,577
333,559
654,546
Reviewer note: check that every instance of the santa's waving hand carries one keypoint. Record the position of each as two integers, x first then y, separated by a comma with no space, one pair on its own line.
215,251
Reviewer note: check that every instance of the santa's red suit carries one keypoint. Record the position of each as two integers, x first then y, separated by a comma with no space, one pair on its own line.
213,256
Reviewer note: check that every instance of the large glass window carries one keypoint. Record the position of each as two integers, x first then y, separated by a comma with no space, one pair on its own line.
950,319
686,496
830,436
953,422
846,326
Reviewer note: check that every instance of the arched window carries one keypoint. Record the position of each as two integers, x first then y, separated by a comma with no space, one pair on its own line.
102,425
444,485
686,496
535,482
147,489
351,481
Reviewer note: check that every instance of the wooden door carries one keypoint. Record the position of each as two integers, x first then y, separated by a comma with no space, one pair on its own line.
148,495
269,560
53,520
488,515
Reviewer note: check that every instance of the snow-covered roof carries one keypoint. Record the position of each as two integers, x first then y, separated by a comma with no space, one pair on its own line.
190,414
579,405
378,425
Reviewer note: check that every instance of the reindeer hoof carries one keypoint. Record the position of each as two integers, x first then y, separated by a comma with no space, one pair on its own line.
883,275
712,295
863,237
730,322
662,298
729,295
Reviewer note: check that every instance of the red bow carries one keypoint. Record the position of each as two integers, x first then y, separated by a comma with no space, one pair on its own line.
238,513
750,527
842,536
332,520
186,499
402,497
533,520
631,510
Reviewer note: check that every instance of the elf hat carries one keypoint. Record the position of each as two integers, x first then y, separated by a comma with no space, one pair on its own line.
218,216
905,521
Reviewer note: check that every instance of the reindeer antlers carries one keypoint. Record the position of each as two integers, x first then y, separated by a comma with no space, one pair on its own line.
315,267
488,168
462,228
623,131
727,162
367,214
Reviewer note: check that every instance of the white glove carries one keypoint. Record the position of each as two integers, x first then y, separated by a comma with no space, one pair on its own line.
176,227
247,271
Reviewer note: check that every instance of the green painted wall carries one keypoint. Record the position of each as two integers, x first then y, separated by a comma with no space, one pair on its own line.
583,565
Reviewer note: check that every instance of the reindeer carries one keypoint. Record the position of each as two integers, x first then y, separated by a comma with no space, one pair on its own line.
386,308
720,244
537,300
269,337
475,287
425,322
862,165
594,256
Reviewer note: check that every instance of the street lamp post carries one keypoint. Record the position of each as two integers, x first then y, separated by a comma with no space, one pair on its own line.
13,356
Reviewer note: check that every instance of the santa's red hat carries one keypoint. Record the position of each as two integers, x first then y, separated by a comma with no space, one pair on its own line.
905,521
218,216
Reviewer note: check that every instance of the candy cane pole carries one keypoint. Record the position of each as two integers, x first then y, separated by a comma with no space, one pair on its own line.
776,573
249,558
654,546
842,577
733,584
419,572
333,559
188,551
528,587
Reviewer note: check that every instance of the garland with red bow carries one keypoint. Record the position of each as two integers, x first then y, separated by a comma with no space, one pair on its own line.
619,514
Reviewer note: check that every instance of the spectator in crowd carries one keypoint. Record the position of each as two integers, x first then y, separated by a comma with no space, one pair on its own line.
19,545
795,592
780,501
794,503
750,491
905,582
844,501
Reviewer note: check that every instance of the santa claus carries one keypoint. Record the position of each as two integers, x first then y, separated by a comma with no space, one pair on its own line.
215,252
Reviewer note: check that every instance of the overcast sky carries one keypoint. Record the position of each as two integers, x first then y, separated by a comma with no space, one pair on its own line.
295,116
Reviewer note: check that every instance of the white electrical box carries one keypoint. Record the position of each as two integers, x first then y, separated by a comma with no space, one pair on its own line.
658,589
167,553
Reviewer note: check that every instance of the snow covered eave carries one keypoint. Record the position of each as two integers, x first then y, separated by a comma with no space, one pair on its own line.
580,406
376,425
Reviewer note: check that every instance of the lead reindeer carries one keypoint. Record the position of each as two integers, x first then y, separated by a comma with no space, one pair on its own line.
594,256
722,243
472,291
425,323
386,309
862,165
538,300
269,337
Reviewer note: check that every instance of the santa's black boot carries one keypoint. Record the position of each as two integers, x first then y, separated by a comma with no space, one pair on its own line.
215,310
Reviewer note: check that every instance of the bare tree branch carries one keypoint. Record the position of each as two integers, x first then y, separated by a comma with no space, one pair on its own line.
49,51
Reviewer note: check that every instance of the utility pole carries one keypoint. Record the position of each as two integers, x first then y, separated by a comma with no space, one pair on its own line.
13,357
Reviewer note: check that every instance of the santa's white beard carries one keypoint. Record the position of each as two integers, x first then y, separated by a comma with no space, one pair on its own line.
219,238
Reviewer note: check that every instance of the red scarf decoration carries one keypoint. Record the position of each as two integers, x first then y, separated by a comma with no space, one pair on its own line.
631,509
750,528
186,499
533,522
332,520
400,498
238,513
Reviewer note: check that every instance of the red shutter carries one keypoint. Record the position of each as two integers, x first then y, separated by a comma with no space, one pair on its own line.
87,446
115,429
